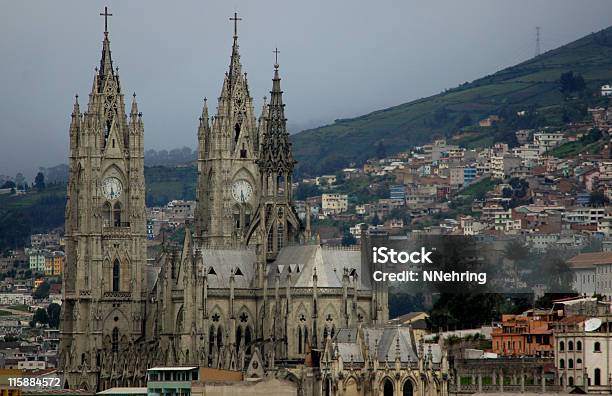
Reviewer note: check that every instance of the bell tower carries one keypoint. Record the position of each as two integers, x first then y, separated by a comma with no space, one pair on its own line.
228,179
104,291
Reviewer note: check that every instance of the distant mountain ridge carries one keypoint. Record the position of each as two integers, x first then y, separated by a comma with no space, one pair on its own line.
531,84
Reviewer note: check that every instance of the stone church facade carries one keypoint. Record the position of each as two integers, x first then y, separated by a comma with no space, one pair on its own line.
249,289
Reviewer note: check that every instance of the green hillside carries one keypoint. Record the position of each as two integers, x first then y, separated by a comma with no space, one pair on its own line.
532,85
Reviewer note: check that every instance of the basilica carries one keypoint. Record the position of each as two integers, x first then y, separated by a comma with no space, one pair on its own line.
249,289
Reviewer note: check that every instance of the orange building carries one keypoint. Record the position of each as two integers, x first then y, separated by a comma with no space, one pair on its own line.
54,263
527,334
6,387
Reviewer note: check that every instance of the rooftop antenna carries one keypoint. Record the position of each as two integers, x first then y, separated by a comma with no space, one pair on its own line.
537,48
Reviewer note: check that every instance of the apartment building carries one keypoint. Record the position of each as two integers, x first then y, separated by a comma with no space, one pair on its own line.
503,165
334,203
527,334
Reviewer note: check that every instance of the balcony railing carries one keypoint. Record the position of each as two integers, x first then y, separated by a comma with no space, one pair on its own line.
116,224
118,295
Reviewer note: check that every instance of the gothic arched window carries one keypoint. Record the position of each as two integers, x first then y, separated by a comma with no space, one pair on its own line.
211,340
407,391
236,215
247,216
388,388
280,183
270,242
117,214
247,340
299,340
238,338
116,275
106,214
115,342
219,337
236,132
280,236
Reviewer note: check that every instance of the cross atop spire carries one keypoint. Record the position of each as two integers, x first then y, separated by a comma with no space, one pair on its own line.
105,14
235,19
276,52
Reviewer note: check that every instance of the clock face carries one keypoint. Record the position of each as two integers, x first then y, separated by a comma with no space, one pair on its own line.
112,188
242,191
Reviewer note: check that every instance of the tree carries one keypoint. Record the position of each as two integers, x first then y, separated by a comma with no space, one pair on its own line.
375,220
39,181
570,82
556,273
597,198
53,314
348,239
381,150
40,316
8,184
463,121
19,180
305,190
42,291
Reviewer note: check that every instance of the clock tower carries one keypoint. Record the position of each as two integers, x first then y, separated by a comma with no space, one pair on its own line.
228,145
104,291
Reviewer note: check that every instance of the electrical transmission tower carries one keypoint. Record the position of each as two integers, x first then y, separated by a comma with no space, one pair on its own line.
537,47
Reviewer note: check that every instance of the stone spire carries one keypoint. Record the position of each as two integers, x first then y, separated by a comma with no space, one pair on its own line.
75,125
105,99
276,153
106,62
263,125
134,110
75,109
235,68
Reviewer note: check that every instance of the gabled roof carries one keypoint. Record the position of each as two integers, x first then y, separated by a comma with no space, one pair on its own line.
301,261
587,260
220,264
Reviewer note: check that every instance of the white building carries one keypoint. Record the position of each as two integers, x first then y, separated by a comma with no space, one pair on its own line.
356,230
334,203
16,299
606,90
547,140
471,226
36,259
583,354
326,180
530,154
503,165
584,216
31,365
592,273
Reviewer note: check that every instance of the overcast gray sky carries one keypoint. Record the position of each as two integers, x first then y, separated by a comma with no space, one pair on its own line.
339,58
